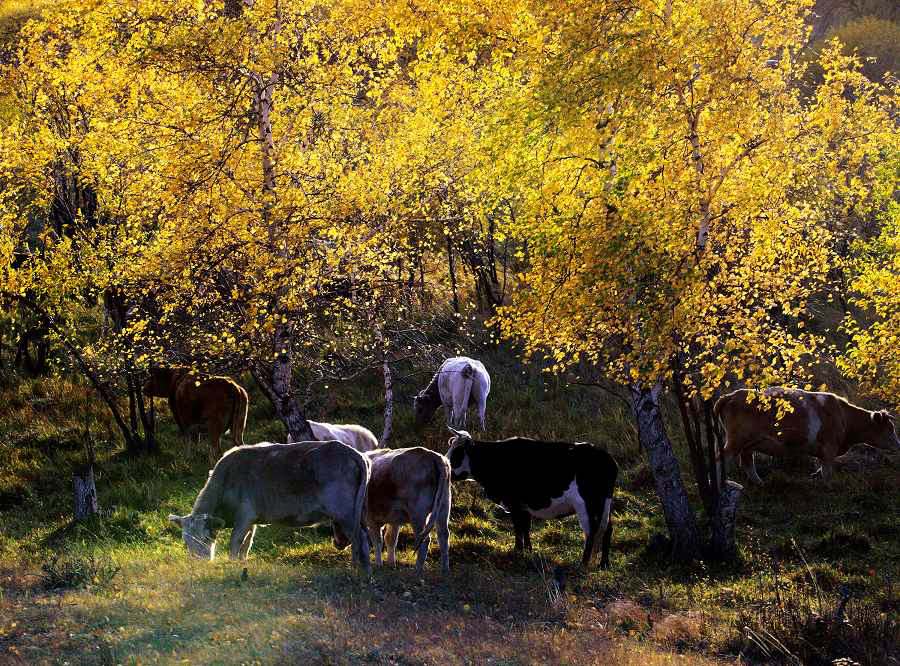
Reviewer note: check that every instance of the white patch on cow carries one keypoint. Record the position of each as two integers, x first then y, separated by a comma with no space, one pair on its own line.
463,470
813,425
566,504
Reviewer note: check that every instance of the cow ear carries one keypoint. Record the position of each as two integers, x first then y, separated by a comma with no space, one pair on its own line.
215,523
178,520
452,440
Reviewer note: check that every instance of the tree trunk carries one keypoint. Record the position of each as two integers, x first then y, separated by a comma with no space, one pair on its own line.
388,403
276,384
722,543
680,519
148,420
85,492
452,270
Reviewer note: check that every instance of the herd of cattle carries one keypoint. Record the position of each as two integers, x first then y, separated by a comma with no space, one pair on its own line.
368,493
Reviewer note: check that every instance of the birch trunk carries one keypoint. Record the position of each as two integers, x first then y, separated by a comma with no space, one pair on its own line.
722,543
680,519
388,403
278,386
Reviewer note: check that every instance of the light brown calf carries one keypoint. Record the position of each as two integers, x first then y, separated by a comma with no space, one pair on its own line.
409,486
821,424
200,402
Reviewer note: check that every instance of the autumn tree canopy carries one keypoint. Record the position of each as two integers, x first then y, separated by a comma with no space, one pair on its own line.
266,184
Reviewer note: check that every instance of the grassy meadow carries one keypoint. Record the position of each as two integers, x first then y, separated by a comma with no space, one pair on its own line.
120,588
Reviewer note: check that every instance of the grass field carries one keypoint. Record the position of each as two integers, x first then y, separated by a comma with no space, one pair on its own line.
121,589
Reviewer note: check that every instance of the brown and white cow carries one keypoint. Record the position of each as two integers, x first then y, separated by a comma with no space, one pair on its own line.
202,403
408,486
288,484
820,424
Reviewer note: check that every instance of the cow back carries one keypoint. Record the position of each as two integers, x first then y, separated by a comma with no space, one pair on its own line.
287,482
524,471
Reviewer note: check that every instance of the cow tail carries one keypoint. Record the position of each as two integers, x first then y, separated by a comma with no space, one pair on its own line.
239,408
440,507
359,503
719,406
468,376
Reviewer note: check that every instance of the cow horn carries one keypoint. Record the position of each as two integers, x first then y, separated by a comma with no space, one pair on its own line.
176,519
454,431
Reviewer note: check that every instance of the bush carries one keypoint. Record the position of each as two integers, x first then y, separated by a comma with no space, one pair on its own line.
806,626
72,572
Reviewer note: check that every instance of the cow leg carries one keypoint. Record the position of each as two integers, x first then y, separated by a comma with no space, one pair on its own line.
391,536
827,453
826,468
377,545
443,537
748,464
589,525
360,546
522,526
607,540
243,528
422,554
247,543
605,534
215,445
364,550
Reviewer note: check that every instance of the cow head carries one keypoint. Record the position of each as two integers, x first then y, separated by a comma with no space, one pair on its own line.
881,433
199,533
159,382
458,455
424,408
340,539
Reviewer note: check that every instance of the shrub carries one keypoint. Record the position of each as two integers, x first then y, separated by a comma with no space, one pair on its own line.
72,572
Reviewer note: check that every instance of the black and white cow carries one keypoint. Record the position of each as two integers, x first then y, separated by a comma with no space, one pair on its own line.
545,480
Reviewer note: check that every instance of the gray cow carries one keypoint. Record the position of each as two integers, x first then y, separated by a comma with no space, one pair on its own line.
289,484
459,381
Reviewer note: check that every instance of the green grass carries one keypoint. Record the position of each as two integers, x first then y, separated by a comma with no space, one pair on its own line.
302,602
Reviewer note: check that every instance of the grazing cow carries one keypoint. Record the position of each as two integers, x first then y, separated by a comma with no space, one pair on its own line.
289,484
354,436
543,479
200,402
821,425
409,486
459,381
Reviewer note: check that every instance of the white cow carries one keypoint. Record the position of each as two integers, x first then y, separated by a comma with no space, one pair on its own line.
459,381
354,436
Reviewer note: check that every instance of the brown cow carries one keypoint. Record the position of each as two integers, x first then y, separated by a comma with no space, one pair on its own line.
408,486
821,425
202,402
